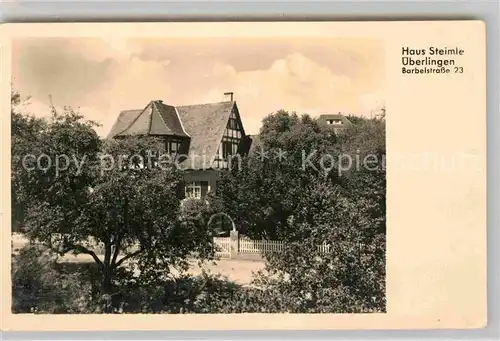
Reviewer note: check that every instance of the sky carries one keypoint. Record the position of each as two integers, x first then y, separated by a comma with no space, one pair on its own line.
102,76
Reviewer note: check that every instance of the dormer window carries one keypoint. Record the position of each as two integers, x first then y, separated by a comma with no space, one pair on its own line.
172,146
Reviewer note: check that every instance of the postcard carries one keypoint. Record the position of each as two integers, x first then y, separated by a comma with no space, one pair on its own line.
243,175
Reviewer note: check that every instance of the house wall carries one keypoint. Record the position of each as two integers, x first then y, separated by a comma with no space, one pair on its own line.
202,175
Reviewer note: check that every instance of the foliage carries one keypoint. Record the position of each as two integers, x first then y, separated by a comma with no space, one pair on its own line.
262,194
39,286
182,294
118,195
366,142
365,137
46,158
26,132
132,211
277,199
350,277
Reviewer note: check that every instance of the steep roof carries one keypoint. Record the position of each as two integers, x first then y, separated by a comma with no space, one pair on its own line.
124,120
170,119
205,124
156,119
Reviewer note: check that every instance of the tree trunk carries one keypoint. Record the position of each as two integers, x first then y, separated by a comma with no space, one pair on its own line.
107,287
106,281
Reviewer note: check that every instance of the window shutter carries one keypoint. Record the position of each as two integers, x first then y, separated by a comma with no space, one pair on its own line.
204,188
181,190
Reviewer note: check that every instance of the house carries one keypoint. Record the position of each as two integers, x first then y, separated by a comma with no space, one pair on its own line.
336,121
206,137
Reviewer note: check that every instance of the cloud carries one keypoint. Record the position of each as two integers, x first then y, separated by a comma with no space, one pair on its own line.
105,76
60,68
294,83
372,101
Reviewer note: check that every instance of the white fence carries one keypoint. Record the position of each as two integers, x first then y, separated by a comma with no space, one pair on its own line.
225,247
258,246
222,246
229,247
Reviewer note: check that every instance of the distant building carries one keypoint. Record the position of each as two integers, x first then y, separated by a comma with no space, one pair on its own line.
336,121
207,135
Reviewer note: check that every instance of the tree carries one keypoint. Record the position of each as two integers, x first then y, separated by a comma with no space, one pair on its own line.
365,143
355,119
314,206
118,195
262,194
46,158
26,133
348,278
367,136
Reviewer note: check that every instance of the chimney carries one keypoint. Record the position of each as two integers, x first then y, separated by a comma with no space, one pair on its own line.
229,94
160,101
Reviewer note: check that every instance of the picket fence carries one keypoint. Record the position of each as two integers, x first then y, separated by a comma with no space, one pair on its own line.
241,246
258,246
225,247
222,246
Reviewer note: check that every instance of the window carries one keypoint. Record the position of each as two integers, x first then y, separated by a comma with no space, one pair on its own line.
230,141
196,189
229,148
334,122
172,146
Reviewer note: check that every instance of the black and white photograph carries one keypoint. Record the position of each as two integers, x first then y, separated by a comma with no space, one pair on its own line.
198,175
243,176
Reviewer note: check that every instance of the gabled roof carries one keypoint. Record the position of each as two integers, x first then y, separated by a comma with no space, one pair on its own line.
170,119
205,124
156,119
124,120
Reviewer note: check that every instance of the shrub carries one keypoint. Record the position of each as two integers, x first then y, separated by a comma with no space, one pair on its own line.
350,277
39,284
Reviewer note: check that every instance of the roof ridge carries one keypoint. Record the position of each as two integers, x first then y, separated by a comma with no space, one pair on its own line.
134,120
192,105
153,107
158,113
182,125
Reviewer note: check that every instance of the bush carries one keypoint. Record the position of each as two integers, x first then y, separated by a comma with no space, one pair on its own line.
40,284
350,277
183,294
